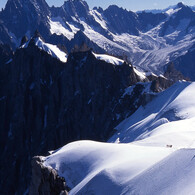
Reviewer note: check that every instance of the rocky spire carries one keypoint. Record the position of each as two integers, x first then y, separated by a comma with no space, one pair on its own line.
76,7
21,16
24,40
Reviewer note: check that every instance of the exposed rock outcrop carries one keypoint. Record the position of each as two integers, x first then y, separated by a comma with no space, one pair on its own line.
173,74
45,180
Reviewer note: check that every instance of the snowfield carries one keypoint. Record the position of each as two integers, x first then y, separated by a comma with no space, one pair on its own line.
103,168
109,59
152,152
59,27
52,50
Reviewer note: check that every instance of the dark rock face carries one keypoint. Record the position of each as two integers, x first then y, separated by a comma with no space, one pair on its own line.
45,181
24,40
121,21
81,38
46,104
21,16
160,83
6,54
173,74
186,64
149,20
22,95
184,13
4,35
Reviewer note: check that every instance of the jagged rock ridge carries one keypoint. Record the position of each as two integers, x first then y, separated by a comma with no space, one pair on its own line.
45,180
46,103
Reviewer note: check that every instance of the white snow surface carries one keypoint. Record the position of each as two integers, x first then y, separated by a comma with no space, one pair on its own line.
140,74
171,11
52,50
109,59
173,175
103,168
59,27
116,61
152,152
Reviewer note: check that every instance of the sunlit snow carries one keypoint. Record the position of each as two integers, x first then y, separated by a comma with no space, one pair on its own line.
52,50
152,152
59,27
109,59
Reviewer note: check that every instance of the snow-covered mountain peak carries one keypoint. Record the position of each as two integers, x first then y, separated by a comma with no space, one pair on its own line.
180,8
171,11
47,88
184,11
172,7
52,50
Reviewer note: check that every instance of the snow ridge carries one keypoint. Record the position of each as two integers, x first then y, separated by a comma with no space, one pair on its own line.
109,59
152,152
52,50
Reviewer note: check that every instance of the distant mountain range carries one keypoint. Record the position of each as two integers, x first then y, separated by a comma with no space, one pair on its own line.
149,39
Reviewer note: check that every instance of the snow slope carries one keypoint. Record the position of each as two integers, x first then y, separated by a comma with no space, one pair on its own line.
152,151
116,61
173,175
109,59
52,50
59,27
167,120
103,168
